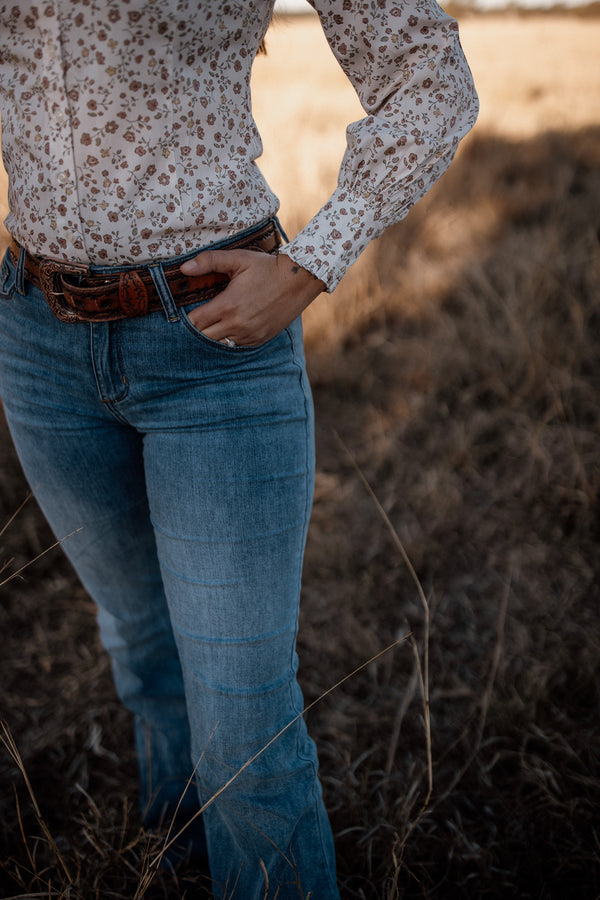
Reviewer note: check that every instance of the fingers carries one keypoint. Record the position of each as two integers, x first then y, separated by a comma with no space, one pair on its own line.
265,293
229,314
226,262
208,319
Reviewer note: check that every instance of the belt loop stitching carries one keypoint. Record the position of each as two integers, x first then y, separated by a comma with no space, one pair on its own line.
279,227
20,272
164,292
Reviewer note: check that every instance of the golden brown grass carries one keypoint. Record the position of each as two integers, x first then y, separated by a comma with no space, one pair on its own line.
460,365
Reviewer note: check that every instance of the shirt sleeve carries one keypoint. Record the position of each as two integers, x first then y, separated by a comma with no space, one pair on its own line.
407,66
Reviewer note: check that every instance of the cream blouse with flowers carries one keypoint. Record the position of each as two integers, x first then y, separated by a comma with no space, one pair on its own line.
127,129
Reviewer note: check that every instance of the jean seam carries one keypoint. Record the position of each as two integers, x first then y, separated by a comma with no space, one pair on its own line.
306,518
119,348
307,503
109,403
307,510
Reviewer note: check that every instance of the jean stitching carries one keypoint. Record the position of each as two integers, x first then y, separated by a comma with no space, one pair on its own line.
121,363
7,271
20,285
306,518
164,292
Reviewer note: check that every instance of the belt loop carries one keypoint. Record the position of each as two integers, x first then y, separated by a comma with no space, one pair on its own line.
164,292
20,272
279,227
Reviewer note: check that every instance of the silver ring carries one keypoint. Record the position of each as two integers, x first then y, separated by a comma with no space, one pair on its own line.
229,342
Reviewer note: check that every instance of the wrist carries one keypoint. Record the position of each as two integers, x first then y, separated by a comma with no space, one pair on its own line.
304,280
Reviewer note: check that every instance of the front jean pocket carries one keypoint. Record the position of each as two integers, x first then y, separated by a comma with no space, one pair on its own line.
216,345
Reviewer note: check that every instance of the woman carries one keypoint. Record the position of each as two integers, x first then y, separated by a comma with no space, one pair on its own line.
152,372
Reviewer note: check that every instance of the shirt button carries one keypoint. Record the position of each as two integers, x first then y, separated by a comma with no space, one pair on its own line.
62,177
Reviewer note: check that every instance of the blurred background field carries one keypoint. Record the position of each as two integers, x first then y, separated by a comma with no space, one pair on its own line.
459,362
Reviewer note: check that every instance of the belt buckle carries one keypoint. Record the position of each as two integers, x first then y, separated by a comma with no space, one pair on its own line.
50,273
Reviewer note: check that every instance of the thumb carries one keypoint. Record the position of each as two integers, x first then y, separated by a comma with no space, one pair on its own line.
225,261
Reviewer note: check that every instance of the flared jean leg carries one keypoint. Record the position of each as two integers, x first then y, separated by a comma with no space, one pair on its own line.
188,467
230,541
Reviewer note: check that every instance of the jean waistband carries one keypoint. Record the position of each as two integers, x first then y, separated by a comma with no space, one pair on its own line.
80,293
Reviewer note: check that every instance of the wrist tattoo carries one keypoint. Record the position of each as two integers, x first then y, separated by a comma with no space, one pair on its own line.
295,269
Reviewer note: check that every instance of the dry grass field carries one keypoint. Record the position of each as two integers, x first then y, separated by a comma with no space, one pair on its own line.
459,363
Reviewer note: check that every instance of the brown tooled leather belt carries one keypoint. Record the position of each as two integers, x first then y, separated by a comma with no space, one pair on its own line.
76,294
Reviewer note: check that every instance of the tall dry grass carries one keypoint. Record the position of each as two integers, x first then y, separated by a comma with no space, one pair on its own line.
459,364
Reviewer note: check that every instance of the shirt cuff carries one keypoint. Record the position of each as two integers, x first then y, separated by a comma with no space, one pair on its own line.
335,237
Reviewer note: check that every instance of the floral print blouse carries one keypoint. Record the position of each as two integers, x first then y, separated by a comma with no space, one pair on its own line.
127,129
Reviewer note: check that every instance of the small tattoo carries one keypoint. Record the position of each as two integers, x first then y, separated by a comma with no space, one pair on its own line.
295,269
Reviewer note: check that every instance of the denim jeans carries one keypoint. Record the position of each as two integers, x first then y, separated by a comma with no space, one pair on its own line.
188,468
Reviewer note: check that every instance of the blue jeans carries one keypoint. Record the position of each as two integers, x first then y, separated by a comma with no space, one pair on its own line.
188,468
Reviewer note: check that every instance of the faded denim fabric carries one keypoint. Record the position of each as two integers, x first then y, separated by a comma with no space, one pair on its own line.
188,466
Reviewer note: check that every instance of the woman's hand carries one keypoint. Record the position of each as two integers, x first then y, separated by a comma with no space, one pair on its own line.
264,295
